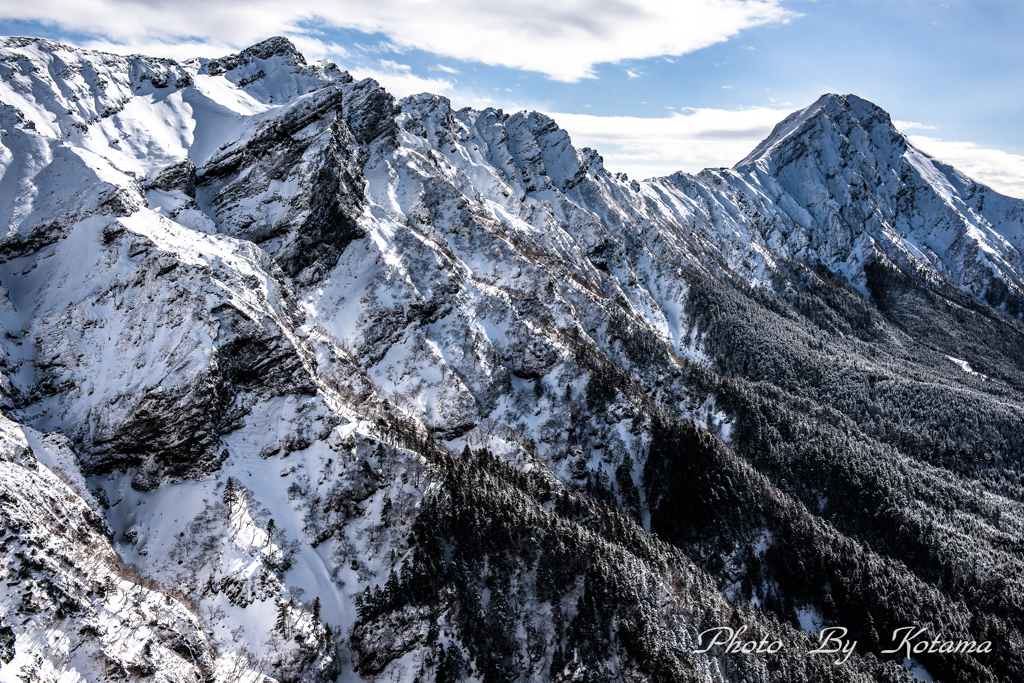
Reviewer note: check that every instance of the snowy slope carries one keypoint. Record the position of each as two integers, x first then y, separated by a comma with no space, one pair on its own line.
87,609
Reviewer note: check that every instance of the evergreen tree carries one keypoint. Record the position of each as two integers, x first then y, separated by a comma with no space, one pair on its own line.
454,666
451,665
557,663
284,626
628,491
230,492
317,609
271,530
600,391
365,607
392,591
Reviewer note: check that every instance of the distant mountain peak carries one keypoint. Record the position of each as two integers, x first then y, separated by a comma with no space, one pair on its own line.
266,50
278,46
835,108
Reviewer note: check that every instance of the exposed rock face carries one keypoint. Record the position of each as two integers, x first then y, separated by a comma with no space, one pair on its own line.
179,177
300,342
188,349
370,113
291,186
272,47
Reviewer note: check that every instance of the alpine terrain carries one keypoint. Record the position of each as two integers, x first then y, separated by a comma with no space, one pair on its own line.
301,382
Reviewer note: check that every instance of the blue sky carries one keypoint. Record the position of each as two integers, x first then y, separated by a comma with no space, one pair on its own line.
656,87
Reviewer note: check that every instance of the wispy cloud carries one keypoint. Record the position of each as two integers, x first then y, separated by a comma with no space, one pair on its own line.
1002,171
446,69
395,67
698,139
563,39
382,47
399,80
911,125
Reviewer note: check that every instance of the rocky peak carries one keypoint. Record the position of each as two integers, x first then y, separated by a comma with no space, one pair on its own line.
864,191
529,149
591,159
278,46
274,72
557,152
429,116
830,116
264,51
370,111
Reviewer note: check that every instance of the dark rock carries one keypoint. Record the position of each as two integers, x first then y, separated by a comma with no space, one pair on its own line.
306,142
370,112
180,176
272,47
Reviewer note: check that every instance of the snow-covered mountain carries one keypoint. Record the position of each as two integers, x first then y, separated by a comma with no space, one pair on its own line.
328,385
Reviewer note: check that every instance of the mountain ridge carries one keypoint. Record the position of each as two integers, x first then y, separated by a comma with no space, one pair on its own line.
502,413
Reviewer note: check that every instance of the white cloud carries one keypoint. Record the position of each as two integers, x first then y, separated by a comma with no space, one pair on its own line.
395,67
647,147
382,46
158,48
633,74
564,39
912,125
399,80
446,69
1002,171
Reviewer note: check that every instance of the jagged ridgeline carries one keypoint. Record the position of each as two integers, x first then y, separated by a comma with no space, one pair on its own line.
306,383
